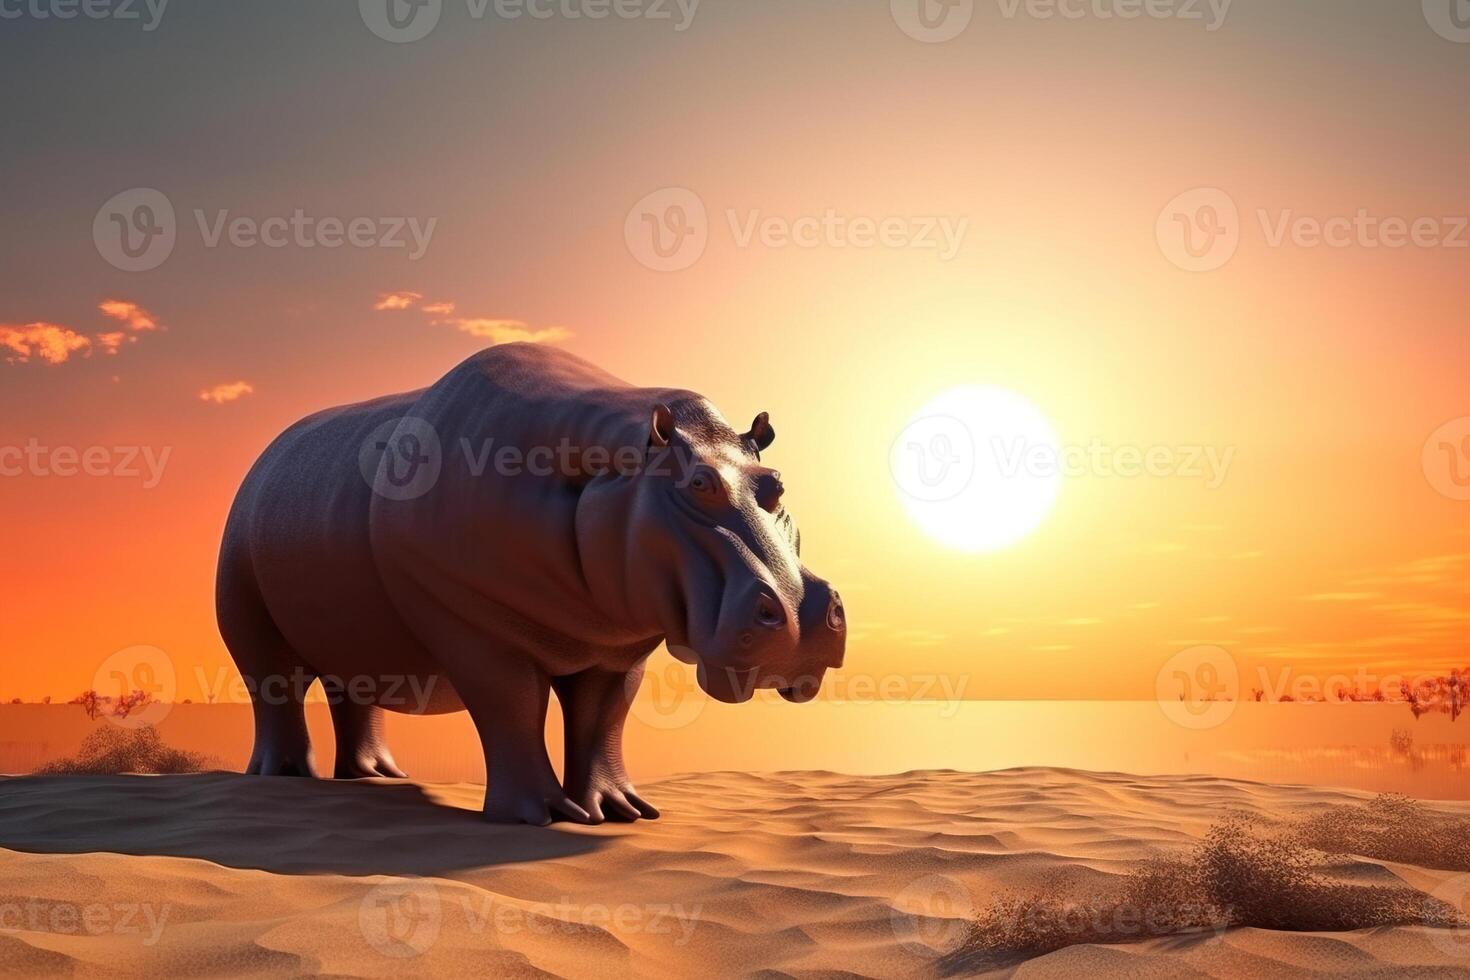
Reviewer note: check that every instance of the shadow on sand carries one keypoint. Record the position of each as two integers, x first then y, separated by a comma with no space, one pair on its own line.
282,825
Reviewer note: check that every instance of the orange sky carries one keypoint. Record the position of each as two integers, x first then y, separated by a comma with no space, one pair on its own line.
1324,370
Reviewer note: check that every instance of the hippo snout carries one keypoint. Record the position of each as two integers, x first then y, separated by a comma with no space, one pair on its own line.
823,623
767,643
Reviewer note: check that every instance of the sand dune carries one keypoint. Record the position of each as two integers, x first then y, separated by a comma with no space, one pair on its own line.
785,874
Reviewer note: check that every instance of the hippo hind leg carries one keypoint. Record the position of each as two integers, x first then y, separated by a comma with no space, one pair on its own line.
362,751
275,676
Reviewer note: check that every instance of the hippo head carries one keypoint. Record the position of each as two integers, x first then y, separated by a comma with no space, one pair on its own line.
707,553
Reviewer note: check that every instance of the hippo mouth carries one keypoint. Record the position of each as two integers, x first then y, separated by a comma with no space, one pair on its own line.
736,685
800,694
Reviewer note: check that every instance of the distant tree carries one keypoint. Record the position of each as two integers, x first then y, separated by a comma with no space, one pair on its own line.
15,701
46,699
129,703
91,703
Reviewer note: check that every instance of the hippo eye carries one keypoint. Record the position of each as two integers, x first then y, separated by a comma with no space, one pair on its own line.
701,483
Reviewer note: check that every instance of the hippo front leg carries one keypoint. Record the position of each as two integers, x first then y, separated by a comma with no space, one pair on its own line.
508,705
594,704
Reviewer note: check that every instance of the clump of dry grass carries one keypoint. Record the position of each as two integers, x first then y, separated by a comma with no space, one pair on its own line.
1391,828
1235,876
111,751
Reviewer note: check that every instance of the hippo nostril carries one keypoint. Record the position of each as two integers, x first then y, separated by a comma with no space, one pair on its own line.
836,615
768,612
746,638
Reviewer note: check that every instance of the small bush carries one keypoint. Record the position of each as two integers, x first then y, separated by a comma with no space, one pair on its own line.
1236,876
1391,828
111,751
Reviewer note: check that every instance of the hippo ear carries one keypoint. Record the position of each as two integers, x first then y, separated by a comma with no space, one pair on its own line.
661,426
761,435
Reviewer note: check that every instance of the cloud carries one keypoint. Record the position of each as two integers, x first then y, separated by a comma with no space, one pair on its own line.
137,318
397,301
51,342
110,342
507,331
497,330
220,394
1342,596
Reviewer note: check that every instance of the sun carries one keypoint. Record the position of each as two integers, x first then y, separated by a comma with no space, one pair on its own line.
977,468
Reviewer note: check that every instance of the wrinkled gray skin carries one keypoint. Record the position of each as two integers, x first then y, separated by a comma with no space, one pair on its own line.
487,591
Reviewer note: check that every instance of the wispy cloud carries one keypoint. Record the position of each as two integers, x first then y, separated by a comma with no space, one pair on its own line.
508,331
497,330
50,342
233,391
1342,596
403,300
137,318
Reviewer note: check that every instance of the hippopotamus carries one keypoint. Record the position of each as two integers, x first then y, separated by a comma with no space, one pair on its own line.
526,524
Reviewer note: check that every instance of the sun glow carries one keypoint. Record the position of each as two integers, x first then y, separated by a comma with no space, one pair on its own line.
976,468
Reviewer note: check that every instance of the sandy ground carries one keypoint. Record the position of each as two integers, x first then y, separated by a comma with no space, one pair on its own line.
788,874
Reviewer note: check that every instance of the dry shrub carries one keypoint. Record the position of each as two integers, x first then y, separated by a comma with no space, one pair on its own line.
1391,828
110,751
1236,876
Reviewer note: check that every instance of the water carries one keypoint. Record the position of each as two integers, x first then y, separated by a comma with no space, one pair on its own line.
1375,747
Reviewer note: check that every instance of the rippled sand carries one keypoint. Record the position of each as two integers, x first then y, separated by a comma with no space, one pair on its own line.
787,874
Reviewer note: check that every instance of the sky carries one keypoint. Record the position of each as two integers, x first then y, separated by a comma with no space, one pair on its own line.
1170,232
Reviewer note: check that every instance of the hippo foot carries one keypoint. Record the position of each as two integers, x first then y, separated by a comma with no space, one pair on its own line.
368,766
537,801
610,798
272,764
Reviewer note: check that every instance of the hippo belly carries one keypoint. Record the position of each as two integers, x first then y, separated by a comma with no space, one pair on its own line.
301,525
